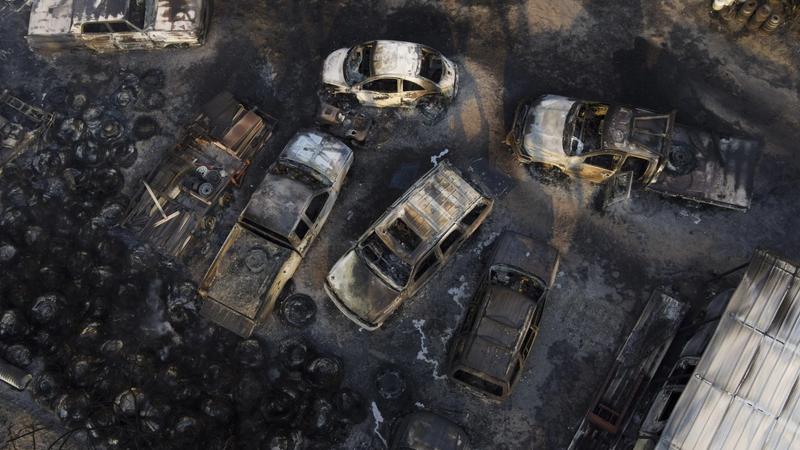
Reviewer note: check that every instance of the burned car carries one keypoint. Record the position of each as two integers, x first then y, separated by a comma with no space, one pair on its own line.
176,199
597,141
391,74
21,125
274,231
409,243
490,349
113,25
428,431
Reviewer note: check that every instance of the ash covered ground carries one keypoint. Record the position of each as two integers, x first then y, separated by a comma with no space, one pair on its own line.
59,211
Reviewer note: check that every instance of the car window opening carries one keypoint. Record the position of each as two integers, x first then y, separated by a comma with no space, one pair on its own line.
527,341
136,13
636,165
432,67
265,233
478,383
290,171
672,400
428,264
404,235
451,239
358,65
385,85
316,205
410,86
473,215
382,259
604,161
650,132
120,27
95,27
528,286
301,229
585,134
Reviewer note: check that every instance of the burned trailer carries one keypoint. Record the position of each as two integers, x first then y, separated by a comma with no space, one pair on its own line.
21,126
632,371
425,430
598,142
274,232
489,351
117,25
176,199
406,246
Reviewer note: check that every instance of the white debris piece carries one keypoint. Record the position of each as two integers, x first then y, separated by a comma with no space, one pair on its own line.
378,418
459,293
436,158
422,354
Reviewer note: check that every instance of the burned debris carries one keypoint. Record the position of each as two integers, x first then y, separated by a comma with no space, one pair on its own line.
178,199
425,430
755,16
410,242
21,127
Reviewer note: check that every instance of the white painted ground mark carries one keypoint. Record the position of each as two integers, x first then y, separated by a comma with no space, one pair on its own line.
378,417
436,158
422,354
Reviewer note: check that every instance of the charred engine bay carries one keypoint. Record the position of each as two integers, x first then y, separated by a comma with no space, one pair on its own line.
111,331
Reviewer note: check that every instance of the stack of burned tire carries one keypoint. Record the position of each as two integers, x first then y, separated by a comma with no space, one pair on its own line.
763,16
111,331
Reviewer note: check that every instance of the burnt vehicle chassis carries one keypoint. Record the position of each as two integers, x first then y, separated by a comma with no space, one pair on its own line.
21,126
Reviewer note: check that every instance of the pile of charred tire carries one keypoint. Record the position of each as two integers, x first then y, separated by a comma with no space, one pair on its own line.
762,16
111,331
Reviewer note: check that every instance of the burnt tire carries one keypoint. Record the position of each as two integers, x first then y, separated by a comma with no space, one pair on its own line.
681,160
432,108
298,310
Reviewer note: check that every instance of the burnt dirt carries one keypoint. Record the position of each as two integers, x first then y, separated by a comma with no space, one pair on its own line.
111,329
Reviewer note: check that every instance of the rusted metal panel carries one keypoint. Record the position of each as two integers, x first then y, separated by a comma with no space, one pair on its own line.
745,392
634,367
709,169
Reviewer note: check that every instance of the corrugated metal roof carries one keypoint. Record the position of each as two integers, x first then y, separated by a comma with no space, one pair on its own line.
744,392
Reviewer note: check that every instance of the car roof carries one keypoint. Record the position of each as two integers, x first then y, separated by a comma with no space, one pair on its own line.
526,254
426,430
396,58
492,347
320,151
430,207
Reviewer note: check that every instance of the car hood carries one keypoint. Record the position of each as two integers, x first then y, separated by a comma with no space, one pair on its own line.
333,68
278,204
544,128
359,290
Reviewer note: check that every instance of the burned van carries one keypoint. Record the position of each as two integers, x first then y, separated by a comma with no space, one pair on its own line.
273,233
409,243
598,141
176,199
488,354
114,25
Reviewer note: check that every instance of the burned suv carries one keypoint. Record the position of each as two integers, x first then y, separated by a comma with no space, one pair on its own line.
598,141
391,74
489,352
408,244
112,25
274,231
177,198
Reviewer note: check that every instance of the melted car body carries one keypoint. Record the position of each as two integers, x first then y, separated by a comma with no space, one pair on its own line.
113,25
406,246
274,231
177,197
596,141
489,352
390,74
424,430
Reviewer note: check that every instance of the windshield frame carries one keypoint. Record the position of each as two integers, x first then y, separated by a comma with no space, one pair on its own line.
380,273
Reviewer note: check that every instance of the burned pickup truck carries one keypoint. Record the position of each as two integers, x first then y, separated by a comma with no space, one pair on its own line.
113,25
406,246
176,199
599,141
21,126
274,231
488,354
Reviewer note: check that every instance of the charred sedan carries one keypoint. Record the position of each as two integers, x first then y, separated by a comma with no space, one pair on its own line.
391,74
177,198
113,25
406,246
598,141
274,231
428,431
489,351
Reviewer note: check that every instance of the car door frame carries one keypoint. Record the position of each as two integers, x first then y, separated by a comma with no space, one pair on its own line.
139,39
596,174
377,98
